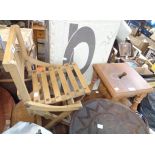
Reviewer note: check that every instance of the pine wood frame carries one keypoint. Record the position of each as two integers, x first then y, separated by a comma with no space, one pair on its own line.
15,62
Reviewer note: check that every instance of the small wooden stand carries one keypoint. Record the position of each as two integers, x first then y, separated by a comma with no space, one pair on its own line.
118,81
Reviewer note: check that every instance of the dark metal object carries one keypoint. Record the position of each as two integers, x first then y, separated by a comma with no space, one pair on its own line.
101,116
39,131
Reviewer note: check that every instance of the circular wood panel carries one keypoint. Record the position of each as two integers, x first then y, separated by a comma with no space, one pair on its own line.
101,116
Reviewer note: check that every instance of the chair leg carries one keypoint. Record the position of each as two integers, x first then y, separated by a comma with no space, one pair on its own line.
58,119
38,120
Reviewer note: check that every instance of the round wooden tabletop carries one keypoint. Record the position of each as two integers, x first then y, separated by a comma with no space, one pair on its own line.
101,116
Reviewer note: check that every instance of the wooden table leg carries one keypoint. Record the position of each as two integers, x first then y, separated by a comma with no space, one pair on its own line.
137,101
93,80
125,101
104,91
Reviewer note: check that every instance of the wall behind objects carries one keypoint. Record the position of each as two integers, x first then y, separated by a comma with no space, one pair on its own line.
82,42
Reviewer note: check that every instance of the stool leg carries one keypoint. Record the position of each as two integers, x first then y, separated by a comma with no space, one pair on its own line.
103,90
137,101
93,80
125,101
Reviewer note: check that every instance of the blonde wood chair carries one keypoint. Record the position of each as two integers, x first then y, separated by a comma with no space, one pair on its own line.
57,89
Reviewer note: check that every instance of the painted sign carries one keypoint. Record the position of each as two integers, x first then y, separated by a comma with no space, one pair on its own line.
82,42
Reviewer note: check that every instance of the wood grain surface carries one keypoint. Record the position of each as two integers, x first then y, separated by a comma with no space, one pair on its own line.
130,84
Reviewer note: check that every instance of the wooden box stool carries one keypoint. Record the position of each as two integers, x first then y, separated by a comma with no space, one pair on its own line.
118,81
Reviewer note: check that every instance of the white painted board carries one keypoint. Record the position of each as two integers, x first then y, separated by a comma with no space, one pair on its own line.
84,42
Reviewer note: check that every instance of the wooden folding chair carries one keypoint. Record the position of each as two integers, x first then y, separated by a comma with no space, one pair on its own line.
57,89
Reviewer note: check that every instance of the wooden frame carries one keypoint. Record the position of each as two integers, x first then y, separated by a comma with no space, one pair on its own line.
47,84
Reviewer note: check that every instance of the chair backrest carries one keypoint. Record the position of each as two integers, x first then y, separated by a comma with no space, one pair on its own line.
14,61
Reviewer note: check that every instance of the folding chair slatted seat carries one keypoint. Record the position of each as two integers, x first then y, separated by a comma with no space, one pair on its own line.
52,85
57,78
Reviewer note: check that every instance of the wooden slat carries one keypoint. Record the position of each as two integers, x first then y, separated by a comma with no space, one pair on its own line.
45,88
35,83
64,97
56,73
19,82
63,81
1,56
43,107
51,116
59,118
81,78
72,78
8,55
55,84
20,63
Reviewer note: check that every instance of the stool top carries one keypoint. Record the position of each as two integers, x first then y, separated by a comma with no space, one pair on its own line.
121,80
